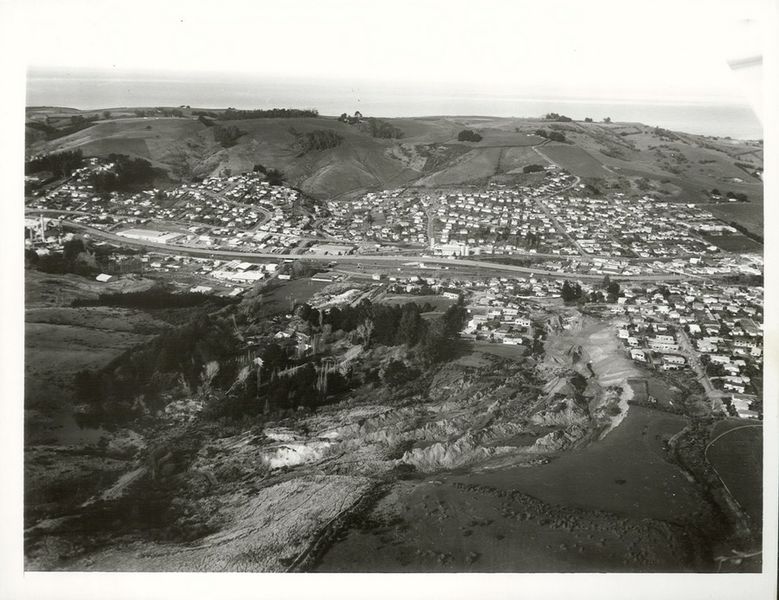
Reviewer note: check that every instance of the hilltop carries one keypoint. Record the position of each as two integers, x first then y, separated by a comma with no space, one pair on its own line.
345,159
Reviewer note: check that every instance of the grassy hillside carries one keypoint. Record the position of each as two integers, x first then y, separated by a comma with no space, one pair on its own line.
678,166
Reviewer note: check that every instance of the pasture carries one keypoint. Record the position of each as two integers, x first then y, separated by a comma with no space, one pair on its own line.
577,161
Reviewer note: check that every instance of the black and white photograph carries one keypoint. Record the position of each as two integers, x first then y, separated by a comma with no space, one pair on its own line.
384,292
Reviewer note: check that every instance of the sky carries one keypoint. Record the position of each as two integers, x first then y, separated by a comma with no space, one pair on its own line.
658,50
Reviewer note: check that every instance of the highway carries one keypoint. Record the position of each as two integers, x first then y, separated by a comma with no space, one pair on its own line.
451,262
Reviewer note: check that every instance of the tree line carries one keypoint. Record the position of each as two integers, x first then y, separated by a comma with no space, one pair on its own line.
319,139
60,164
154,298
553,116
232,114
555,136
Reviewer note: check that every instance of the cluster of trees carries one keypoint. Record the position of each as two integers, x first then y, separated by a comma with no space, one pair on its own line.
81,121
154,298
533,169
227,135
127,174
395,325
351,120
77,123
75,257
555,136
389,324
207,357
553,116
468,135
232,114
396,373
159,112
572,292
60,164
382,129
319,139
137,379
375,127
273,176
740,196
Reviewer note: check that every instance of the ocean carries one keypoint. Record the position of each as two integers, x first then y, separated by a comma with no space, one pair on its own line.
101,91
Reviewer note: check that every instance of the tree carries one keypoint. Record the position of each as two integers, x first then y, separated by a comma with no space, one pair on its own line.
72,249
396,373
454,319
274,177
556,136
613,291
587,119
106,114
570,293
595,296
434,344
365,331
410,325
468,135
607,119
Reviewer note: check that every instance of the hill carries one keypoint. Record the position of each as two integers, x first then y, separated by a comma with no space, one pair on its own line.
673,165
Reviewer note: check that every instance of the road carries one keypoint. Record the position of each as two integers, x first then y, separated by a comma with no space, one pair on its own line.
540,203
451,262
713,394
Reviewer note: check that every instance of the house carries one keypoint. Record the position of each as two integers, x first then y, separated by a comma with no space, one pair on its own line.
104,278
512,339
638,354
674,359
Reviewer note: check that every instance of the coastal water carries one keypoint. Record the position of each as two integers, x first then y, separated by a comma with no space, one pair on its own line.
99,91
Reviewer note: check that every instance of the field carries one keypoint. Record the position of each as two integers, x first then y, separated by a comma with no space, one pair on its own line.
60,341
576,160
737,457
282,296
479,163
735,243
626,473
749,214
499,350
605,508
